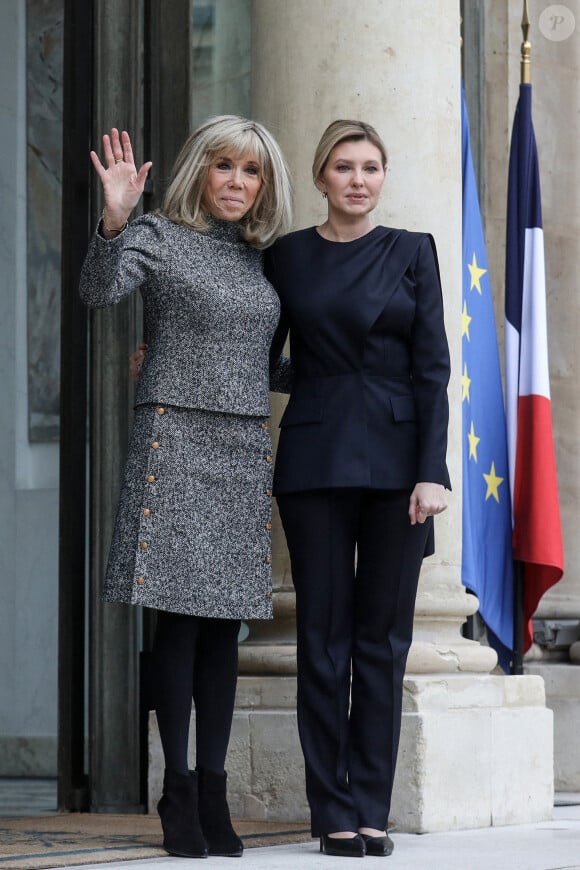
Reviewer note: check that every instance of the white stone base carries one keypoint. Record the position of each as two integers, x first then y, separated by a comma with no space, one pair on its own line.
562,683
475,751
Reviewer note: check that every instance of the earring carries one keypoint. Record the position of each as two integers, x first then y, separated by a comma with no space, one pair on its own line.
324,194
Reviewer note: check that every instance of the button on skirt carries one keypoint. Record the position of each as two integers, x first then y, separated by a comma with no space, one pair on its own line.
193,527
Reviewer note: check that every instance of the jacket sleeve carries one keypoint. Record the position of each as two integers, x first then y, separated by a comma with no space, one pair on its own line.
281,372
430,367
115,268
282,376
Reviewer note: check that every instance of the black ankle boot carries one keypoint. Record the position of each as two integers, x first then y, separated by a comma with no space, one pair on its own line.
178,809
214,815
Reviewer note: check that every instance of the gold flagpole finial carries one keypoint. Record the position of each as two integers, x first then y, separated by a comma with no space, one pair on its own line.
525,65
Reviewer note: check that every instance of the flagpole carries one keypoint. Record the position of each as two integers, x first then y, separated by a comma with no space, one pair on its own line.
468,629
518,659
525,65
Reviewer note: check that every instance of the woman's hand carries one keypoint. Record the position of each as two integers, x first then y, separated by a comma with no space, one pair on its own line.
427,499
136,361
122,184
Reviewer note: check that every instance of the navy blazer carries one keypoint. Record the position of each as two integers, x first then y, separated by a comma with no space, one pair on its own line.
368,406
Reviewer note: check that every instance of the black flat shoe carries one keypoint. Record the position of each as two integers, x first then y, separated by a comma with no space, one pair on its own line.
347,847
379,846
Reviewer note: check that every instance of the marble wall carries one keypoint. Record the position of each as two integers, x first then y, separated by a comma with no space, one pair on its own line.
28,472
44,64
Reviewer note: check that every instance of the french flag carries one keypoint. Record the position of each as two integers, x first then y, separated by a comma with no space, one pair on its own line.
537,532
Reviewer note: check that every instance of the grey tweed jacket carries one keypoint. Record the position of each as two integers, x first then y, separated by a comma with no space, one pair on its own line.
209,312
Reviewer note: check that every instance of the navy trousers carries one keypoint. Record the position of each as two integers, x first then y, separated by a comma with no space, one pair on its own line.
355,565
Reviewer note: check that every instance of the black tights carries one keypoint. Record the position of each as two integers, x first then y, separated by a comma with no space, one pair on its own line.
195,658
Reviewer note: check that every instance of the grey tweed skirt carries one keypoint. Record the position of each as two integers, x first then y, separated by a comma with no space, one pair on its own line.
193,527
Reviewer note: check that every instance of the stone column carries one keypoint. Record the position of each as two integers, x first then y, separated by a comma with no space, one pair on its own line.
555,63
114,716
313,63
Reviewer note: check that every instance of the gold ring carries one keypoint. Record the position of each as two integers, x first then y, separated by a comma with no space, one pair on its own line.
118,160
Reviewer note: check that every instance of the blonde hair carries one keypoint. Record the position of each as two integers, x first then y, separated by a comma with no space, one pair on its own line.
344,131
271,213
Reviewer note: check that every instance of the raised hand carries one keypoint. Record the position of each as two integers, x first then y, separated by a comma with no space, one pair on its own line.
122,184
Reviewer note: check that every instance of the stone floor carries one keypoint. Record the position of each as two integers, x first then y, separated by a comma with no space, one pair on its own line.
551,845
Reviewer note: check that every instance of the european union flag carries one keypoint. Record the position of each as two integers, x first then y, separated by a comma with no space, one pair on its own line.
487,565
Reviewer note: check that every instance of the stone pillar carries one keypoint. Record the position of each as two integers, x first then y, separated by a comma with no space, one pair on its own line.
313,63
265,760
270,647
555,69
114,717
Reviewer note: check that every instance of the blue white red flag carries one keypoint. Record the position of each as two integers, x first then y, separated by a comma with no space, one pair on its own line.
537,532
487,561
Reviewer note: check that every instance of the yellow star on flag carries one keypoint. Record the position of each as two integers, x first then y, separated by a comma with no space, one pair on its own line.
465,383
476,274
493,482
465,320
473,442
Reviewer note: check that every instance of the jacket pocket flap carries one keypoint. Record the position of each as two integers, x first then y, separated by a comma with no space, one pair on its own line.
302,411
403,408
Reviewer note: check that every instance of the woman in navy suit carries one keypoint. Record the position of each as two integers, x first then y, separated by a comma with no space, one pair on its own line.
360,472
